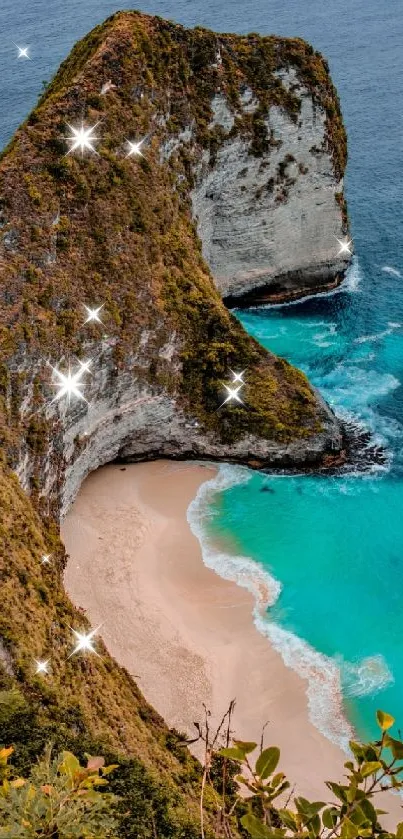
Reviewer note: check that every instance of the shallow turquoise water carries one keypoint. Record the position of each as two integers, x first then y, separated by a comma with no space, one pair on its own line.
335,544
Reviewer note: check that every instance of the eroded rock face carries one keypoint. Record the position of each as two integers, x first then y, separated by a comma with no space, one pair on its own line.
129,420
262,183
269,225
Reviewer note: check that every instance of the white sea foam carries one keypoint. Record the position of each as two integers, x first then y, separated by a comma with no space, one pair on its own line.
389,270
360,359
320,339
363,339
323,675
366,678
332,327
239,569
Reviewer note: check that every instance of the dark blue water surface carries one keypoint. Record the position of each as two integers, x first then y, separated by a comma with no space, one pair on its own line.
336,545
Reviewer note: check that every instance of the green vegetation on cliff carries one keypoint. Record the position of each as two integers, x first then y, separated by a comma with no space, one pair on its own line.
123,227
119,230
61,798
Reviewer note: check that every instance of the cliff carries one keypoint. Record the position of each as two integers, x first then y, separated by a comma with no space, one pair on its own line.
107,229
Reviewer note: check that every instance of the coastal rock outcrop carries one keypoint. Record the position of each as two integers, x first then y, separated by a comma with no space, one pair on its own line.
118,230
215,116
269,224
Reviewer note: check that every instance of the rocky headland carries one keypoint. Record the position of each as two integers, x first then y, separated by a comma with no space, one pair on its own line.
238,195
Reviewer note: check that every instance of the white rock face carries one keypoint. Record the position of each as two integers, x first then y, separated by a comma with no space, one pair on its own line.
127,418
270,221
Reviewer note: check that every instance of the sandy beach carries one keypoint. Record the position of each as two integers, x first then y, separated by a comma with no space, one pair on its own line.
186,635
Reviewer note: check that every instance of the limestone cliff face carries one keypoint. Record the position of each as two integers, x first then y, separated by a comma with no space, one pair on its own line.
269,225
243,133
127,418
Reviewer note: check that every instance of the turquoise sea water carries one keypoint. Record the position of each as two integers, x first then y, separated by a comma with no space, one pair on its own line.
334,544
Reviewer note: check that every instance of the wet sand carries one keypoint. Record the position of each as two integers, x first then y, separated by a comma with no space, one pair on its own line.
186,635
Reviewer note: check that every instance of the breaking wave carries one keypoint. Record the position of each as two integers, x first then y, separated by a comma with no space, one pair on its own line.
389,270
326,678
363,339
366,678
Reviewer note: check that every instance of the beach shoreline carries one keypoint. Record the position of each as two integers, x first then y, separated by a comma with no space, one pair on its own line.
185,634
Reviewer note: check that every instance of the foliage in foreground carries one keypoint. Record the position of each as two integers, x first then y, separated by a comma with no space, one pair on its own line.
147,802
262,806
60,800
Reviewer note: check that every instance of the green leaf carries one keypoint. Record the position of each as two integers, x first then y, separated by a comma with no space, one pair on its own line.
257,829
330,817
278,779
385,721
288,818
316,806
267,762
351,792
357,750
358,817
285,785
70,765
303,806
370,752
399,831
314,826
348,830
368,810
244,746
396,746
337,790
107,769
232,752
370,768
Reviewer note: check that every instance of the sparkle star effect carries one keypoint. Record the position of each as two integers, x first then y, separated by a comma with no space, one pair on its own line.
93,314
84,642
82,138
85,365
238,377
46,559
42,666
22,52
134,148
345,246
232,394
69,383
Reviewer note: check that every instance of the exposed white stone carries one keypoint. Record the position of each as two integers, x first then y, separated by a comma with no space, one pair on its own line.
248,100
259,228
221,113
127,418
173,144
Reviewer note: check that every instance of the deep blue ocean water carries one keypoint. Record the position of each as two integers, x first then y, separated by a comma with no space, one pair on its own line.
334,544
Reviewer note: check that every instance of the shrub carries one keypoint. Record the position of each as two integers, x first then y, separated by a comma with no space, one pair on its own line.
374,767
59,799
